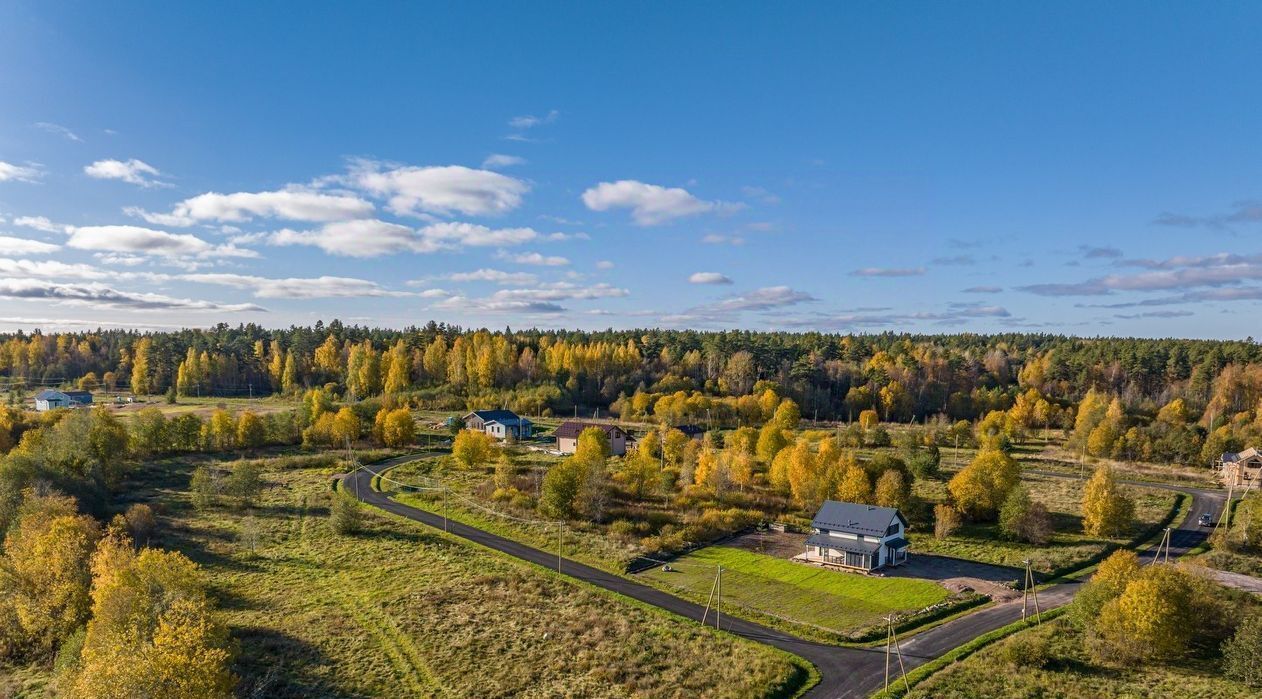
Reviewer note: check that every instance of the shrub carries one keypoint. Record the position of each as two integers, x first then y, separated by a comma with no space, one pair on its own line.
346,515
1027,650
1242,654
946,520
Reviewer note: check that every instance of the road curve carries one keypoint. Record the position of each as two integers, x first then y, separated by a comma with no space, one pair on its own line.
844,672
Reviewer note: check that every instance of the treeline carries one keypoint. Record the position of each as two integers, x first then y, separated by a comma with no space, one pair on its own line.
901,376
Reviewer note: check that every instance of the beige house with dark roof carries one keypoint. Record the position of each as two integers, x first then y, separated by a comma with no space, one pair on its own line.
1240,470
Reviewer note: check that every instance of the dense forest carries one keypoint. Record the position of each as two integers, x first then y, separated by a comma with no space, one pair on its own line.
902,376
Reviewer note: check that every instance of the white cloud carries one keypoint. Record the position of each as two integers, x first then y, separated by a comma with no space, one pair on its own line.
534,258
466,304
493,275
888,272
22,246
50,269
530,121
499,160
561,291
39,223
297,288
290,204
717,239
147,241
604,264
650,204
708,278
372,238
98,295
59,130
132,171
19,173
160,219
412,191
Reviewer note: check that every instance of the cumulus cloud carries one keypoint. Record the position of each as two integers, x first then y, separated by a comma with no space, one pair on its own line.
708,278
413,191
1090,252
51,269
534,258
373,238
719,239
132,171
294,204
39,223
147,241
888,272
542,299
1241,212
650,204
499,160
954,314
497,276
97,295
297,288
1157,279
22,246
19,173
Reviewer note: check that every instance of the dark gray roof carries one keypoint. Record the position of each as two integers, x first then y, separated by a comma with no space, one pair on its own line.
855,518
691,430
897,543
571,429
505,417
72,395
836,542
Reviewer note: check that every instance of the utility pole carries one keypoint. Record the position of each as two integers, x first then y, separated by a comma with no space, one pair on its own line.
560,542
1224,520
1030,589
718,599
446,512
891,638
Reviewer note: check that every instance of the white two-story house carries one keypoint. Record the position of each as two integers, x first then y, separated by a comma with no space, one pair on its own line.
863,537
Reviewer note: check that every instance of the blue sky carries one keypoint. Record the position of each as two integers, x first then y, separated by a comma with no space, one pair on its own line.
833,166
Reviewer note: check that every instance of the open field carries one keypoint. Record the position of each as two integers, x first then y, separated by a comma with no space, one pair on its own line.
1070,672
1068,546
831,600
202,407
401,608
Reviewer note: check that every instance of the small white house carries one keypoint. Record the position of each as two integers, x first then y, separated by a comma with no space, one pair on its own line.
49,399
863,537
500,424
567,436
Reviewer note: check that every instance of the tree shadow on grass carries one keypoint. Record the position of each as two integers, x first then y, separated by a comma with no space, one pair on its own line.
275,664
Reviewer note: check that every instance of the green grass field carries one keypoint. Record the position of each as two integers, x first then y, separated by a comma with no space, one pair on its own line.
829,600
1068,546
1071,672
403,610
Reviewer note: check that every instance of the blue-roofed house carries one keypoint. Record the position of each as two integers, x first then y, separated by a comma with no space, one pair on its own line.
501,424
51,398
857,536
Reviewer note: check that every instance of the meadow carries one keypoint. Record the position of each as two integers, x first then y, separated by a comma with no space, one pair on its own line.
400,608
1064,668
832,601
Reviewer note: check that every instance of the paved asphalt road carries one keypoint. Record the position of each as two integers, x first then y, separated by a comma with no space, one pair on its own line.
844,672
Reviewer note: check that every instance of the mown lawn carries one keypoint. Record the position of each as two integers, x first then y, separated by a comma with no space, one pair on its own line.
830,600
1068,546
403,610
1070,671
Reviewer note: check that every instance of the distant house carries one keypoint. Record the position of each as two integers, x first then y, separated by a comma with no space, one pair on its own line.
49,399
693,431
500,424
863,537
567,436
1242,469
